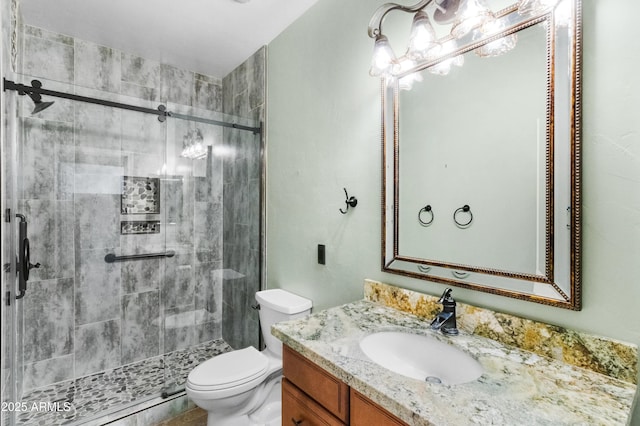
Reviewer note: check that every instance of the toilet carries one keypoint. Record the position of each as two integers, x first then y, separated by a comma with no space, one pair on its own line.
243,387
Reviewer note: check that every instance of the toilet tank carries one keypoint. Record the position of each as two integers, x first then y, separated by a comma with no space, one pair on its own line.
278,305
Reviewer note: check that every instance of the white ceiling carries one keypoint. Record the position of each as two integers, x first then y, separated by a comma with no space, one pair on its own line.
210,37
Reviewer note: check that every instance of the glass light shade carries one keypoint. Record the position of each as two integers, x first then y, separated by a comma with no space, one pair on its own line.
441,68
470,15
193,146
406,82
496,47
384,59
535,6
444,67
422,38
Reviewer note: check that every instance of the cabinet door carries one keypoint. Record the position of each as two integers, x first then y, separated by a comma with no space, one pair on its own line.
300,410
365,412
323,387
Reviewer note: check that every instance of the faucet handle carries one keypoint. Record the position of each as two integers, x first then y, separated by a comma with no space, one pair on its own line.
446,296
439,320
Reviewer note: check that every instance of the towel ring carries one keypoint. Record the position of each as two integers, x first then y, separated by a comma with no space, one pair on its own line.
460,275
425,269
426,209
463,209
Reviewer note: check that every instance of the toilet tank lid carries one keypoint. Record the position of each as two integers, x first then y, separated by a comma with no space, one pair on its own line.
283,301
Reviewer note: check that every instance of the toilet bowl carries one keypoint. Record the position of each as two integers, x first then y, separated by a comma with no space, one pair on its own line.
242,387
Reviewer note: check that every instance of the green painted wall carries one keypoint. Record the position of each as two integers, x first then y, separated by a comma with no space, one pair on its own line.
323,130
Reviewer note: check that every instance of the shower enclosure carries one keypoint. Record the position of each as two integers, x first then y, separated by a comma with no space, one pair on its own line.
141,195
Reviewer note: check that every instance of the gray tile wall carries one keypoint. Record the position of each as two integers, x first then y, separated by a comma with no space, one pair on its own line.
83,315
243,96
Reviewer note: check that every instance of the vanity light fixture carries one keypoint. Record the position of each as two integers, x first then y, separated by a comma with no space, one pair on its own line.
384,61
193,146
499,46
422,41
535,6
466,16
471,14
443,68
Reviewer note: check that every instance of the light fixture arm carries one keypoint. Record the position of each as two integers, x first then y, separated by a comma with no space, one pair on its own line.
375,24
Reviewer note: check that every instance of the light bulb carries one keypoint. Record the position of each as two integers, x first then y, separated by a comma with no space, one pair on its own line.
536,6
384,59
443,68
406,82
471,14
422,38
496,47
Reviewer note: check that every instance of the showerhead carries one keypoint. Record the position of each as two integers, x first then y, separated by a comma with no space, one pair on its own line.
41,106
37,99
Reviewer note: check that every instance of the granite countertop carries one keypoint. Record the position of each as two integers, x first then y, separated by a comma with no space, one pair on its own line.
517,387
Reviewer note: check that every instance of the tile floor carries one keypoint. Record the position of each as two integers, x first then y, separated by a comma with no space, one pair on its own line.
194,417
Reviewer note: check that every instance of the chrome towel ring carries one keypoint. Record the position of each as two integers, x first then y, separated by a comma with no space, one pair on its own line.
429,210
460,211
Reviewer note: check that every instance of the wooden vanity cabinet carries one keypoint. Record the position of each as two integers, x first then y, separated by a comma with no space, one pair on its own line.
311,396
320,386
365,412
299,409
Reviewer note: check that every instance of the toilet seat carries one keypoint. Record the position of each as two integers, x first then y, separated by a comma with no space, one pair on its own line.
229,373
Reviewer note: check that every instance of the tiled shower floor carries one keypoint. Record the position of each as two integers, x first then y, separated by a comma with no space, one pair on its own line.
107,391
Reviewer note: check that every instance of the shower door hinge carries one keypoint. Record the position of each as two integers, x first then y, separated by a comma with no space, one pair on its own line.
7,215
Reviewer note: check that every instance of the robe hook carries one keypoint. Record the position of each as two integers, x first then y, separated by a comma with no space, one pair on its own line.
350,201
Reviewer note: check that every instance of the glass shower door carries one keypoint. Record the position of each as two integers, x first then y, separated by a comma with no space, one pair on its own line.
89,185
9,308
149,255
213,224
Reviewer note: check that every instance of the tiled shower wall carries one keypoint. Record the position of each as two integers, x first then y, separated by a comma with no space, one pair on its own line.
244,96
83,315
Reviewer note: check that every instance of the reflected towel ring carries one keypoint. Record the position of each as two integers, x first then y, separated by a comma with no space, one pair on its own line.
460,275
422,268
426,209
463,209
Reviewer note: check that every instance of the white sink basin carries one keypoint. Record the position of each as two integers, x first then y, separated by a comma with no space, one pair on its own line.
421,357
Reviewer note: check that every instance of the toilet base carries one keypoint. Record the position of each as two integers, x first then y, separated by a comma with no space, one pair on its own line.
267,414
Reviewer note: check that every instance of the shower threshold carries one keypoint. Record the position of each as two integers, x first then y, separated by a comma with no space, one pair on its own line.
115,393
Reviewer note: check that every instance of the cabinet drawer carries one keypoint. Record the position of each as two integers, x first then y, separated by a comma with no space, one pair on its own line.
299,409
327,390
365,412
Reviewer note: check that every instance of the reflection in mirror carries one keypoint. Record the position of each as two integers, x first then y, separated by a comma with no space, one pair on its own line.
459,149
492,147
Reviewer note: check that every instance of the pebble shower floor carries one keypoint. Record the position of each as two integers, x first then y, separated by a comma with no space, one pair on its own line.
75,401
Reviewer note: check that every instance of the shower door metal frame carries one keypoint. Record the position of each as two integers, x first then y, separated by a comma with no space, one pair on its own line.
161,111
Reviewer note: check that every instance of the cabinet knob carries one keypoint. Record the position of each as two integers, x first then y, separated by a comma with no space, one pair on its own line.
296,422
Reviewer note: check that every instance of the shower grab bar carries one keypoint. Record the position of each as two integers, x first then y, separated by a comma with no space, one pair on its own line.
111,257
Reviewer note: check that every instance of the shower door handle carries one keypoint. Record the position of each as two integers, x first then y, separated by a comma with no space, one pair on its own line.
24,257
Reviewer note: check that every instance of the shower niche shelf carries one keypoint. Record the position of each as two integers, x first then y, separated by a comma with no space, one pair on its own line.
140,195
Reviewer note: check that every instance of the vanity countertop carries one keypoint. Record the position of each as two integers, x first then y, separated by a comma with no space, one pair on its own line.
517,387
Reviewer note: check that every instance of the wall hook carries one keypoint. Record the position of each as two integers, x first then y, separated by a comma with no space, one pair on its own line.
350,201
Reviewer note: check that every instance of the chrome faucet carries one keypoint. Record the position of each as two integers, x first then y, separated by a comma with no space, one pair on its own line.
445,321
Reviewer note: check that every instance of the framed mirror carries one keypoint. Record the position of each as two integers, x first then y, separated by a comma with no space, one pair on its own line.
481,162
